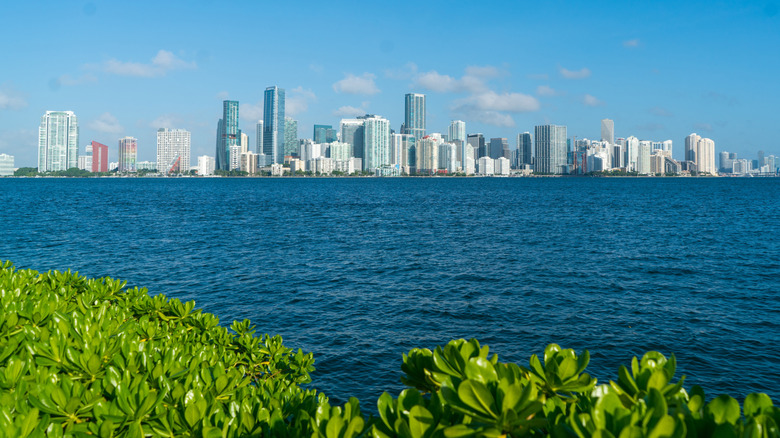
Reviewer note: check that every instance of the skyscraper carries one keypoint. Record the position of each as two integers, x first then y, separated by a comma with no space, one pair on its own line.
99,157
414,115
290,136
228,135
173,151
324,134
524,149
499,147
259,140
58,141
376,143
550,149
128,154
608,131
457,132
690,147
352,133
477,141
273,124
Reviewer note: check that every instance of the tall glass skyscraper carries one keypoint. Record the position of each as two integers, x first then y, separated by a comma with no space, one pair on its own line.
58,141
128,153
273,124
608,131
524,149
290,136
376,142
324,134
550,149
228,134
414,115
352,133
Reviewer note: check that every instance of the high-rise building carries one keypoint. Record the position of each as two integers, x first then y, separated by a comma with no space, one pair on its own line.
457,131
428,154
85,161
690,147
499,147
701,152
324,134
290,136
414,115
477,141
643,165
376,143
550,149
259,140
58,141
205,165
524,149
99,157
128,154
632,153
352,133
173,151
340,151
608,131
6,165
228,135
273,124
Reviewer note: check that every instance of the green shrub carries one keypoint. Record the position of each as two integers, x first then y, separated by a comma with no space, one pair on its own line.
84,357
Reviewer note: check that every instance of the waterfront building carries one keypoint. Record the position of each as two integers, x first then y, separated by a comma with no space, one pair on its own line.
469,166
690,147
274,124
608,131
128,154
457,132
477,141
741,166
414,115
665,146
206,165
297,165
100,157
113,165
291,137
428,154
550,149
58,141
259,137
321,165
310,150
632,153
499,147
524,149
701,152
448,157
643,157
727,161
324,134
486,166
248,162
6,165
173,150
376,143
352,133
85,161
228,136
502,166
340,151
146,165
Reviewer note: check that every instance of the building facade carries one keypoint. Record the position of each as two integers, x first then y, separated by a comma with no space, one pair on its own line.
228,135
6,165
173,151
608,131
100,157
128,154
58,141
206,165
550,149
273,124
376,143
414,115
524,149
290,137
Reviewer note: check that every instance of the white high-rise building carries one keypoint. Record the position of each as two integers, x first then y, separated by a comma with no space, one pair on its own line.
414,115
205,165
457,132
608,131
448,154
486,166
6,165
643,166
501,166
632,153
58,141
428,154
173,151
701,151
376,143
550,149
259,139
340,151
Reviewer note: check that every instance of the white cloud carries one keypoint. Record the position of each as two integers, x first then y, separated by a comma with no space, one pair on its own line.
487,71
161,64
493,118
546,90
169,121
590,100
440,83
574,74
631,43
352,84
316,68
350,111
251,112
11,100
297,101
222,95
106,123
509,102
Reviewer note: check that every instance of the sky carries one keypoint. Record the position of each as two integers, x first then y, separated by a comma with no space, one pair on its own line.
661,70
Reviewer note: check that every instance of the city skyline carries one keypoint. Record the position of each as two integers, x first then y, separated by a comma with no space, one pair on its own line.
660,71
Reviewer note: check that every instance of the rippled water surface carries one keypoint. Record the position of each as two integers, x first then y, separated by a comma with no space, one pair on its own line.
359,271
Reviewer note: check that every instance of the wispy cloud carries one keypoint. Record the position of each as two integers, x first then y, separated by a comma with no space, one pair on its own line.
297,100
408,71
702,127
316,68
631,43
351,111
222,95
352,84
589,100
574,74
546,90
168,121
11,100
160,65
250,112
106,123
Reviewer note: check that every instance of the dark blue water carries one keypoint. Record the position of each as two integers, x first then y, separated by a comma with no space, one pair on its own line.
359,271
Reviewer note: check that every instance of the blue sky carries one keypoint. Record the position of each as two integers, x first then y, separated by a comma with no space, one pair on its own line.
660,69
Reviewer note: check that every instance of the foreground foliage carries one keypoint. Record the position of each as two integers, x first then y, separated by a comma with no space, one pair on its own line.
85,357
